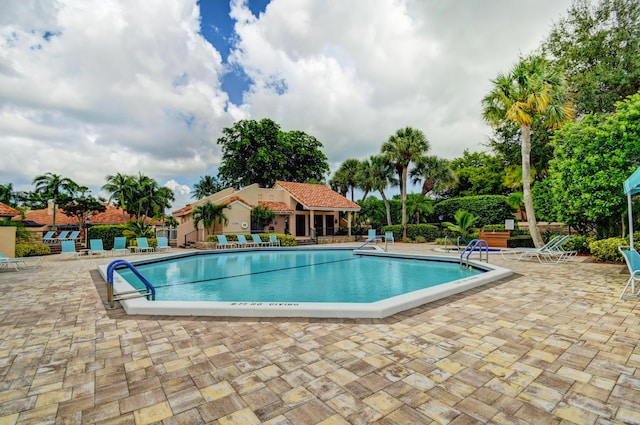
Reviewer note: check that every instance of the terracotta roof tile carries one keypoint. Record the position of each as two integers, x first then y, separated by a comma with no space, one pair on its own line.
182,211
112,215
233,199
276,206
7,211
318,196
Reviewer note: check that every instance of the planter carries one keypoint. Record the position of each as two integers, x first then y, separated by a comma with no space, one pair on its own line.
495,239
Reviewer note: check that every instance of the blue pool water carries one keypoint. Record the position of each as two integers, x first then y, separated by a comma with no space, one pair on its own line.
323,276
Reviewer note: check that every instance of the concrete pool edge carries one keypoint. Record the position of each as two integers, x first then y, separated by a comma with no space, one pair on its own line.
374,310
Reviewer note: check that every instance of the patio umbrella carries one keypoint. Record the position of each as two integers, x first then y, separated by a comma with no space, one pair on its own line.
631,187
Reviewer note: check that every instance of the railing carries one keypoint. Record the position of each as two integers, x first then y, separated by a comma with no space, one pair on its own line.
191,237
149,291
478,245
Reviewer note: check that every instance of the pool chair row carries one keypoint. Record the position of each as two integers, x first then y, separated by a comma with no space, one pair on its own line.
242,242
49,237
142,245
552,252
96,247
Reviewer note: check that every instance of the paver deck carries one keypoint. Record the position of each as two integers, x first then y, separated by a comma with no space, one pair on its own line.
551,345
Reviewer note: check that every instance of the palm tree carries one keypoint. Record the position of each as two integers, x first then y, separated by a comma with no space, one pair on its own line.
120,187
531,91
208,185
406,146
346,175
434,173
209,214
7,195
464,223
380,177
418,204
54,187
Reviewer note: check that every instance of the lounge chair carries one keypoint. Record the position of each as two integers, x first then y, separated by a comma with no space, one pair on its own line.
224,243
69,248
96,248
73,236
22,263
142,245
632,258
372,236
163,244
243,242
258,240
550,251
48,237
62,236
388,236
273,240
120,244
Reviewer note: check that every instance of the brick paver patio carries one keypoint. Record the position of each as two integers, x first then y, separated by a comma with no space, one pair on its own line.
553,344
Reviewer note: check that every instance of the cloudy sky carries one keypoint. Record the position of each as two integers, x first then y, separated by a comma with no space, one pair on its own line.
89,88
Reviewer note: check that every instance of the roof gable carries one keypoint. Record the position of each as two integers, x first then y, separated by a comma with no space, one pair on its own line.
318,196
7,211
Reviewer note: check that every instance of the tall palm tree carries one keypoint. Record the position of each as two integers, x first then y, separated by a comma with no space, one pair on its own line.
531,91
379,175
208,185
7,195
407,145
346,177
55,187
209,214
120,187
434,173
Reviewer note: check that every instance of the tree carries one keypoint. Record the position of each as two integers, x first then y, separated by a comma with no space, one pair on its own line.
531,91
55,187
7,195
209,214
594,156
261,216
464,223
418,206
407,145
377,174
478,173
121,188
83,206
598,49
346,176
208,185
259,152
434,173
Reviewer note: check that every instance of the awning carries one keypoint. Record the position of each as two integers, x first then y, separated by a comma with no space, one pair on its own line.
631,187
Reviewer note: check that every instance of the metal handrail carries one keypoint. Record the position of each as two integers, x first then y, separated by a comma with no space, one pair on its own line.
481,244
112,297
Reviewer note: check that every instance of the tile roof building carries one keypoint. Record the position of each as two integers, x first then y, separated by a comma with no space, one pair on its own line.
302,209
7,211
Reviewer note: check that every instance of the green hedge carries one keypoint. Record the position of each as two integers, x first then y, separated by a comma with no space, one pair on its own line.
521,241
489,208
580,244
427,232
285,240
107,233
32,250
607,249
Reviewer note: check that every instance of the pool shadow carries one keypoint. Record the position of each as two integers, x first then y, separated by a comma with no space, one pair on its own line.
119,313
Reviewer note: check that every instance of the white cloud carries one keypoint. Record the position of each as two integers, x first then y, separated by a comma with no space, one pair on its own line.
89,88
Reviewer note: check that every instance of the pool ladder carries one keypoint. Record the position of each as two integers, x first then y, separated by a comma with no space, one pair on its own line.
479,245
148,291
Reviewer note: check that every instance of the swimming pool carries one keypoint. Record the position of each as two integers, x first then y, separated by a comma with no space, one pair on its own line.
299,282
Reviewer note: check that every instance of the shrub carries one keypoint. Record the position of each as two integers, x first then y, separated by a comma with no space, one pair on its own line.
107,233
32,250
521,241
579,244
442,241
488,208
607,249
420,239
427,232
396,229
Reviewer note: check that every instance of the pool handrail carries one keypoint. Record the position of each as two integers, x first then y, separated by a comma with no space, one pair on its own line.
112,297
481,246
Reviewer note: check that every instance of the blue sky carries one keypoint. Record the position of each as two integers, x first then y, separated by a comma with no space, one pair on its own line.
89,88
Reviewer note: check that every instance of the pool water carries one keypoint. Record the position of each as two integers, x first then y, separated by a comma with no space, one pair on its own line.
321,276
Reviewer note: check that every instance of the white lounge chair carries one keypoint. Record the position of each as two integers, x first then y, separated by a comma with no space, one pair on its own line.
21,263
551,252
632,258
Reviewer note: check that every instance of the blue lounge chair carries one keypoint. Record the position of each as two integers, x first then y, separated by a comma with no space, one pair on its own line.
120,245
243,242
62,236
388,236
73,236
258,240
96,248
372,237
224,243
22,263
273,240
142,245
632,258
69,248
48,237
163,244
